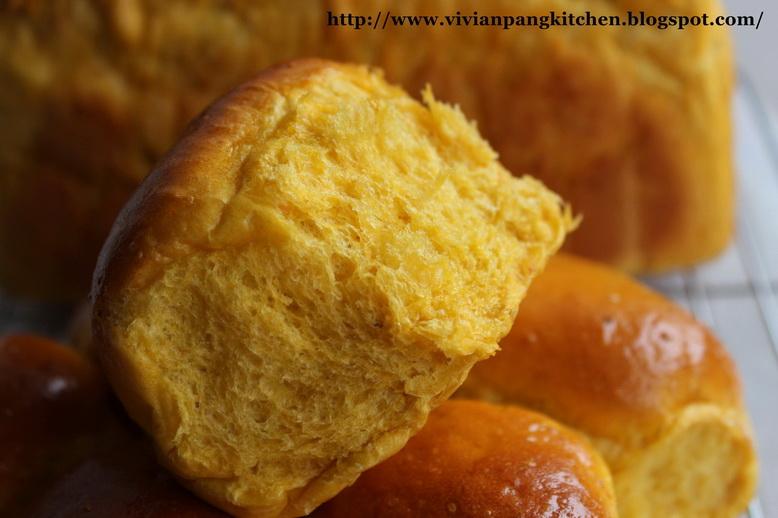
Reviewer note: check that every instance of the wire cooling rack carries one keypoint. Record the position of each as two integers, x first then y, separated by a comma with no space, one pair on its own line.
735,294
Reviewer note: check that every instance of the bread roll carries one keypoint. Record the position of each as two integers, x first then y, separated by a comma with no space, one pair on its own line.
651,387
316,265
117,477
123,482
48,397
474,459
630,124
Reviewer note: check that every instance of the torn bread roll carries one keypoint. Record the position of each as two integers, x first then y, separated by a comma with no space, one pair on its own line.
314,267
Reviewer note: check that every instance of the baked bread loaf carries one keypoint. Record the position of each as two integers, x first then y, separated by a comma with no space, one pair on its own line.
630,124
92,94
651,387
475,459
317,264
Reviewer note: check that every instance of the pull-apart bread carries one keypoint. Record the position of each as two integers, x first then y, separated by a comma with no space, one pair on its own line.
650,386
313,267
474,459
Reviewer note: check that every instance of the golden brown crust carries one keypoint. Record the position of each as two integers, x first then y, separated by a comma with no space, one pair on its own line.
609,355
475,459
48,399
631,125
648,384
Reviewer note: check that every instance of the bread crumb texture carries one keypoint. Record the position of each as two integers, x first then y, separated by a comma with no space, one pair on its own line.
704,465
316,264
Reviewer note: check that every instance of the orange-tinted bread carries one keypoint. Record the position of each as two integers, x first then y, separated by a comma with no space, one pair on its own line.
475,459
623,122
312,269
92,94
650,386
630,124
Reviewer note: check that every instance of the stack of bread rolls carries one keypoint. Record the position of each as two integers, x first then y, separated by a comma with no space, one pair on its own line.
288,300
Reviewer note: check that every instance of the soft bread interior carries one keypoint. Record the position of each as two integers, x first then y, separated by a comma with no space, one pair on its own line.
369,251
703,466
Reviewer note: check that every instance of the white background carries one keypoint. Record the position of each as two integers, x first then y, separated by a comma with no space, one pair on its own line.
757,50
